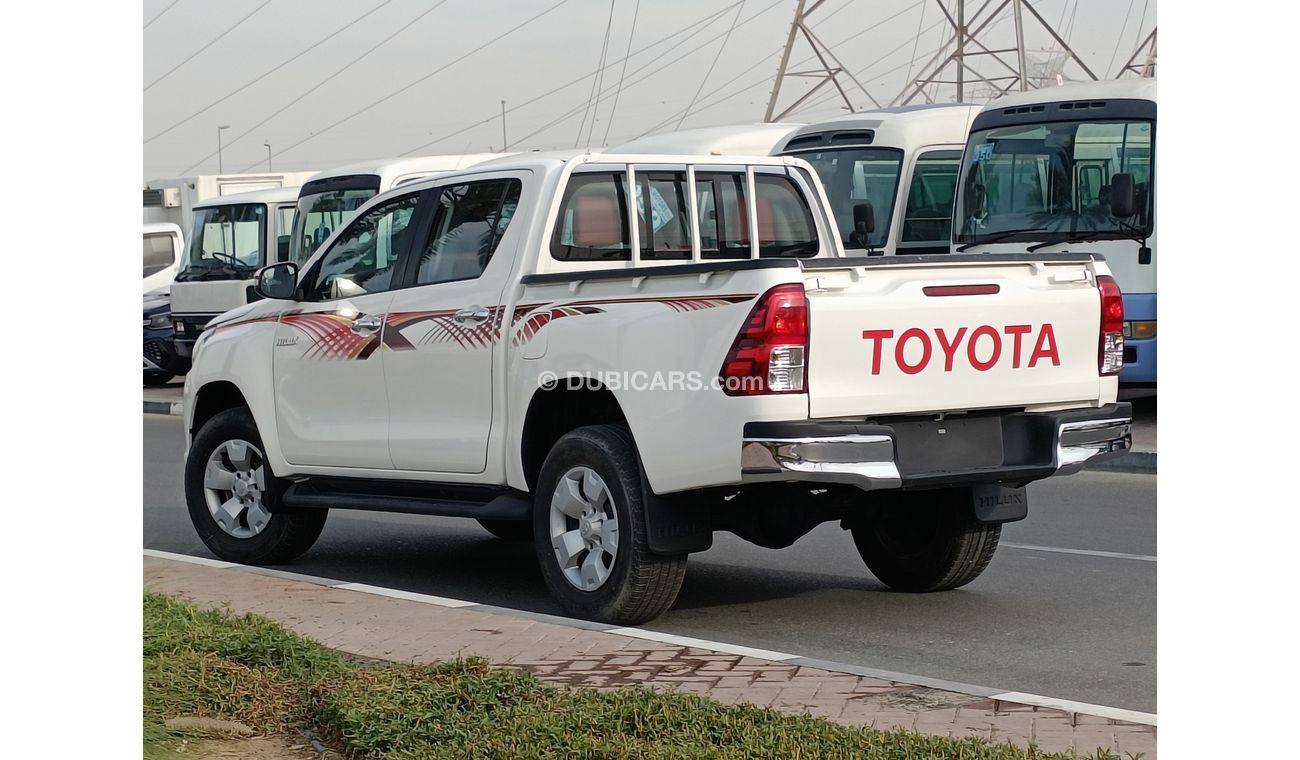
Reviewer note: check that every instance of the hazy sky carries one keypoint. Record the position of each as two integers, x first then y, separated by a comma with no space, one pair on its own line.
455,76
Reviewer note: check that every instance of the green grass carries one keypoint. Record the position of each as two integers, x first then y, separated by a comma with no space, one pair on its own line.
250,669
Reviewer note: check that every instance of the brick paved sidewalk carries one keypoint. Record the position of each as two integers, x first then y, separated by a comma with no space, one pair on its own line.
398,629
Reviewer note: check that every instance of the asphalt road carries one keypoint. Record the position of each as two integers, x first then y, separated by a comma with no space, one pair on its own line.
1039,620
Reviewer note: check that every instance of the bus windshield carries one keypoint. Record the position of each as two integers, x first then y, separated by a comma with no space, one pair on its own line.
1048,181
226,242
854,175
320,214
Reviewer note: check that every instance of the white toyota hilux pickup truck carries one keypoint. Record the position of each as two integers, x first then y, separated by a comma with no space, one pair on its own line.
615,356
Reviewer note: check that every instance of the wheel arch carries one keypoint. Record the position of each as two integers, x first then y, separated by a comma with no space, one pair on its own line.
213,399
556,411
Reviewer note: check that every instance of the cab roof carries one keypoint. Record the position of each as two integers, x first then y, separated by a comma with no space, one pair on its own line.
155,228
904,127
1131,89
272,195
389,170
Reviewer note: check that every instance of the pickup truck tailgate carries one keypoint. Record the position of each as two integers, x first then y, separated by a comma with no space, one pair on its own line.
931,334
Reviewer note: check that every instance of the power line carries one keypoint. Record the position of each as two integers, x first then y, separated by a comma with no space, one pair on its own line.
160,13
424,78
266,74
716,56
324,81
569,114
1119,38
703,21
205,47
613,111
598,82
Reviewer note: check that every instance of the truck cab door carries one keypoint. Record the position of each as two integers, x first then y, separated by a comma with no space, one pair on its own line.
444,342
331,400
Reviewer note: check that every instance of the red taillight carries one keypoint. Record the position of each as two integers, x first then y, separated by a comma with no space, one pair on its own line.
1110,349
770,352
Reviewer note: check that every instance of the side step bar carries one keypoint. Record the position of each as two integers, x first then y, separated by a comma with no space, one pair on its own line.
409,498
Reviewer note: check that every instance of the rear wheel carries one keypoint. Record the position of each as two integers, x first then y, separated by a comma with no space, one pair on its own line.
590,531
509,530
930,542
226,483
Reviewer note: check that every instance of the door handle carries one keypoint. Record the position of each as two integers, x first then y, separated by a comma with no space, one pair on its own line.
472,314
367,324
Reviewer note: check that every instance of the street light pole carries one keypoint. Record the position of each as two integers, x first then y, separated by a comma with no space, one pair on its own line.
268,156
505,144
221,168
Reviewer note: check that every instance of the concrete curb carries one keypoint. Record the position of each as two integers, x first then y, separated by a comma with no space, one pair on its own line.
173,408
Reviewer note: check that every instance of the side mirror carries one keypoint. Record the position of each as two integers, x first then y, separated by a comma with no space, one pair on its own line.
277,281
1123,196
864,218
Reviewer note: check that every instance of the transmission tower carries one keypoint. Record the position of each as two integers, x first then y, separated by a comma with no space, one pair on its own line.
1143,60
829,72
970,38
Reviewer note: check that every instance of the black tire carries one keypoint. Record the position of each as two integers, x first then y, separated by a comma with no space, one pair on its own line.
509,530
928,541
641,585
154,379
286,535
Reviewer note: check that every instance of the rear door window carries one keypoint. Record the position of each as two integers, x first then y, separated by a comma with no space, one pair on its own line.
159,253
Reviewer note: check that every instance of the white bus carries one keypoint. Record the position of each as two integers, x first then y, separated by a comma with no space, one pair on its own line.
331,197
890,174
232,237
1071,168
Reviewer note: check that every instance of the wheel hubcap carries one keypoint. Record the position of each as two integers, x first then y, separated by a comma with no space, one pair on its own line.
584,528
233,484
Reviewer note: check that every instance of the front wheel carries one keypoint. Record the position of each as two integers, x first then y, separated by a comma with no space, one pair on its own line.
226,483
590,531
929,541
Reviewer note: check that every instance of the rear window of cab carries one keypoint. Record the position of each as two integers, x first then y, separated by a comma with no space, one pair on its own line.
593,220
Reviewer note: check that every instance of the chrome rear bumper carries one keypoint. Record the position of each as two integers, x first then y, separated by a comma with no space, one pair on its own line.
932,453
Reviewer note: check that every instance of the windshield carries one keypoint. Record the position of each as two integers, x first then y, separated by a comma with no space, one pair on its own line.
226,241
854,175
1043,181
319,214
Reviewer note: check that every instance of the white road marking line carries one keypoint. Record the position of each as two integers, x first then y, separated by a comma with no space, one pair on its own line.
191,559
410,596
1101,711
688,641
1115,713
1085,552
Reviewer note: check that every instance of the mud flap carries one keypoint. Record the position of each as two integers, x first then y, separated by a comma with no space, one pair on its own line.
998,504
678,523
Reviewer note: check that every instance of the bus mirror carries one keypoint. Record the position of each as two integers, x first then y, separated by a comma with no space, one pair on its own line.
864,218
277,281
1122,196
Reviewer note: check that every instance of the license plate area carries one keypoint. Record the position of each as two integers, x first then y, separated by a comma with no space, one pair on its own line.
951,444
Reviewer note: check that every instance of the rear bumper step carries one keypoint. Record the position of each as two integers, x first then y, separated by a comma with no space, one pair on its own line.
925,452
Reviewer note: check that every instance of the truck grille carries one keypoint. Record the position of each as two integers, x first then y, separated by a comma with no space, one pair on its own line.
156,352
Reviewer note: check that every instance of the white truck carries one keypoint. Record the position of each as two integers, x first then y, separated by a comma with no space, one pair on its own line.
171,200
617,355
233,236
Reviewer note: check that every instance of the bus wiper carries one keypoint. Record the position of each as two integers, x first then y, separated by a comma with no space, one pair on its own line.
996,236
